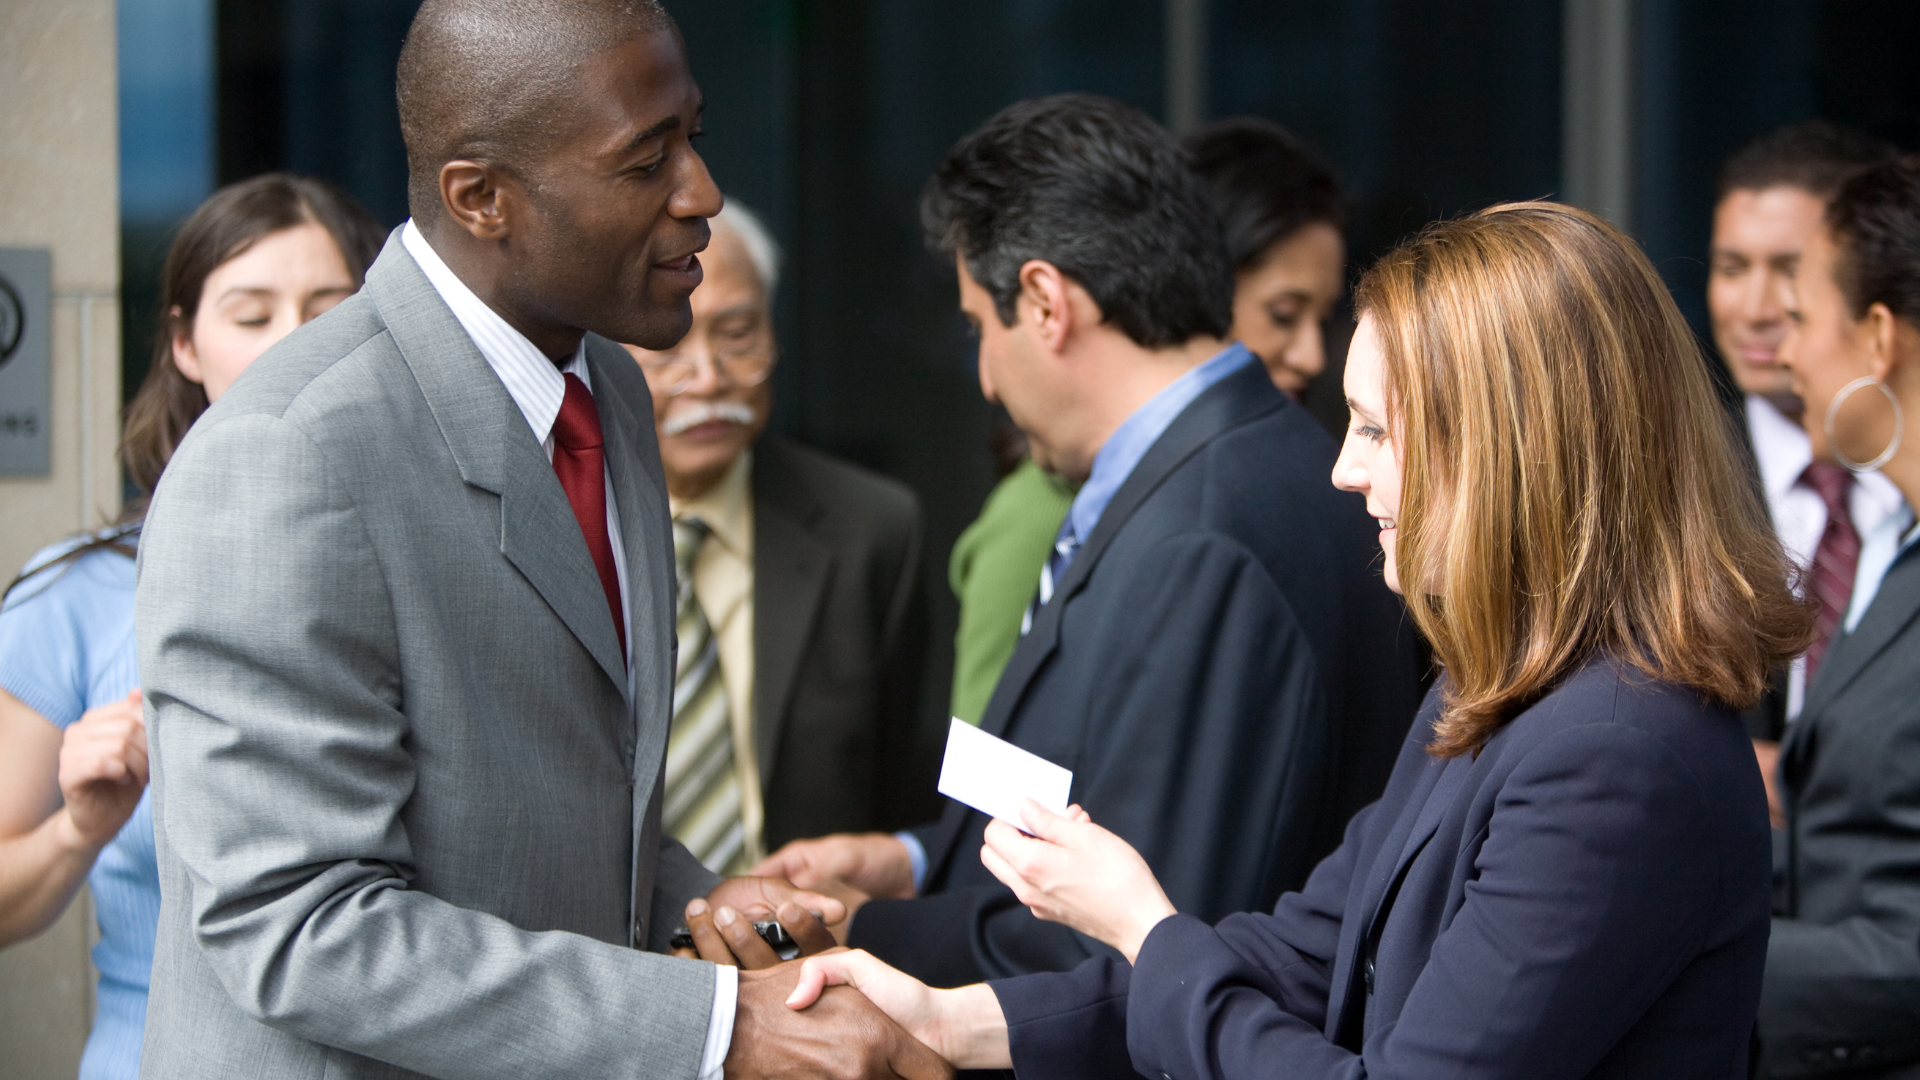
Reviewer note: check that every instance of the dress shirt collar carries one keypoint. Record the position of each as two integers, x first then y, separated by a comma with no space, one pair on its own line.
726,507
1780,447
1137,434
1783,451
535,384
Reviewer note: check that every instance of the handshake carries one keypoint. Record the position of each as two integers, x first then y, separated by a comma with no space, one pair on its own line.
845,1014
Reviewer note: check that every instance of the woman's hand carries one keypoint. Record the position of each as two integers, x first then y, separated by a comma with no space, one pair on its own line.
1075,872
965,1026
103,770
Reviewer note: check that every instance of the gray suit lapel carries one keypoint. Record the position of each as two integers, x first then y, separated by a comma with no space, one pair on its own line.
791,567
495,451
1893,608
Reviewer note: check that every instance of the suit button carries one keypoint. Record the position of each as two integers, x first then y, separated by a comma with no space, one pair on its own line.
1366,972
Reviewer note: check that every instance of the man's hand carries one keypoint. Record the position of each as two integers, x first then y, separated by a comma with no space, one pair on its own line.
841,1036
1768,754
874,864
722,924
103,770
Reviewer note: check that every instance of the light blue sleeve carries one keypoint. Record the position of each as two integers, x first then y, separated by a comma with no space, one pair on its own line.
66,635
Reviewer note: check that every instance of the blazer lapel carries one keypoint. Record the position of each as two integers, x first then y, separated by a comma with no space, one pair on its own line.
1437,789
495,451
1240,398
1893,608
791,567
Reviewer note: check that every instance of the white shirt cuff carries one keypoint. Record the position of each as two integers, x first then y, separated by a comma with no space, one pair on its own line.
726,995
916,858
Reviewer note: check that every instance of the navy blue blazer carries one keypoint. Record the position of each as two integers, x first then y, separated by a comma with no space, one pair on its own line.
1220,659
1586,897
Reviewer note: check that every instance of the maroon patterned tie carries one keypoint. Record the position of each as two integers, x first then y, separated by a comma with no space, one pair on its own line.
579,459
1830,582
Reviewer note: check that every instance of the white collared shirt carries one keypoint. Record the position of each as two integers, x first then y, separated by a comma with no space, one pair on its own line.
1783,451
538,388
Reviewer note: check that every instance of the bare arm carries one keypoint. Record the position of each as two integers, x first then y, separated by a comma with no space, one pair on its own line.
62,798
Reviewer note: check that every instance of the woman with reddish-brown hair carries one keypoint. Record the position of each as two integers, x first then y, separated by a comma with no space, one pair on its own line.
1568,874
256,260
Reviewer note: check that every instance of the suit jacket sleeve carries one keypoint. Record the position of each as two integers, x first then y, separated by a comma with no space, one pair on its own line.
1202,747
282,760
1592,894
1074,1025
1834,992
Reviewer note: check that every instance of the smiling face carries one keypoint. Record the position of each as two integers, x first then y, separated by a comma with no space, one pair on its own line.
1369,458
1280,302
603,232
254,299
1758,238
1826,350
711,394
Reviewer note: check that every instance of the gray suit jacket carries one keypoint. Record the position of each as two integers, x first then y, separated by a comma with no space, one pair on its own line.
407,813
1842,989
845,741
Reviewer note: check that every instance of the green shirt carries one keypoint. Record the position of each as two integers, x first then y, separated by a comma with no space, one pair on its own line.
995,571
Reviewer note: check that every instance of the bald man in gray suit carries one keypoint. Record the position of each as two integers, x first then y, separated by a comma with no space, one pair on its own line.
406,620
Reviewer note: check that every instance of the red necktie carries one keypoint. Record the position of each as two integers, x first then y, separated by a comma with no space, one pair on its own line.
579,459
1830,582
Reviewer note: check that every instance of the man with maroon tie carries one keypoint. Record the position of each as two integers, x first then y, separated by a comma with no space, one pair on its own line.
406,616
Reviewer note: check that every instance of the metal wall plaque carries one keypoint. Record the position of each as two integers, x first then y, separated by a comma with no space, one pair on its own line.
26,383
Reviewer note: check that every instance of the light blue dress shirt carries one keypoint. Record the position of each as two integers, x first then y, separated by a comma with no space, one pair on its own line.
66,646
1114,462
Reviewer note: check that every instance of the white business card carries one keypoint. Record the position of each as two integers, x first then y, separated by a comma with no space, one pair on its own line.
992,775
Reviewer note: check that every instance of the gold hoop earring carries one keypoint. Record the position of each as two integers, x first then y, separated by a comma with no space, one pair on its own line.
1833,409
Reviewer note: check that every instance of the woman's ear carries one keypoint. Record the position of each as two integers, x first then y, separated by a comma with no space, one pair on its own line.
184,356
1893,345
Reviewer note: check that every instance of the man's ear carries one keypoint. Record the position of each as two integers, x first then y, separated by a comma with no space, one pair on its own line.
1045,299
472,192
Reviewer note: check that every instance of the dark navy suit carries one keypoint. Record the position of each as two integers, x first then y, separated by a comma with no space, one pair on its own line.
1586,897
1222,669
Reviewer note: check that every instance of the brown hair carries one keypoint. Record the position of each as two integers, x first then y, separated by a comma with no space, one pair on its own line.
1572,487
232,220
225,226
1875,221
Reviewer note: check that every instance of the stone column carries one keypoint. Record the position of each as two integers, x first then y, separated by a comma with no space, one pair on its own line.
59,189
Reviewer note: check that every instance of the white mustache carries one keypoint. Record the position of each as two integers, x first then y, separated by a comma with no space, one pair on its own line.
699,412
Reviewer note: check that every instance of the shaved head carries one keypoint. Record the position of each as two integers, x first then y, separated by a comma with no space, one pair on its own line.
490,80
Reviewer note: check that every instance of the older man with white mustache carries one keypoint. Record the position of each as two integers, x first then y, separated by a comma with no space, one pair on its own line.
802,635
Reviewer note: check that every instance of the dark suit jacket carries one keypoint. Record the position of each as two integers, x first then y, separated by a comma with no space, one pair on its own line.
1220,667
839,646
1843,971
1587,896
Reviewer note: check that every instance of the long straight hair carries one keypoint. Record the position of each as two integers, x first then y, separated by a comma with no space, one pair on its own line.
232,220
1572,485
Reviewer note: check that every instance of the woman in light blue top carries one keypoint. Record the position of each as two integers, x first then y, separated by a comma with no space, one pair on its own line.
256,260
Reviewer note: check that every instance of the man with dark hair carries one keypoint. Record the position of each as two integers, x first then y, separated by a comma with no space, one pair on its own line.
1209,634
406,620
1770,198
